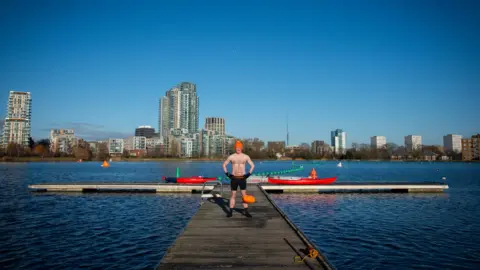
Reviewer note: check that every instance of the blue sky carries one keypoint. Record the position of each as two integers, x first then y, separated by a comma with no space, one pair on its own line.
388,68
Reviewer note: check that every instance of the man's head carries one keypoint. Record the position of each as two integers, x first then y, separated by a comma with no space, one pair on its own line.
238,147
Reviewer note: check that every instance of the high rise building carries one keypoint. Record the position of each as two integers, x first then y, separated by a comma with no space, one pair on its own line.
339,141
413,142
378,142
145,131
62,140
17,126
453,143
179,109
215,124
163,117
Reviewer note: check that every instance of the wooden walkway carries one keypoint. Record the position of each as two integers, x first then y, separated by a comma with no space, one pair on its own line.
211,240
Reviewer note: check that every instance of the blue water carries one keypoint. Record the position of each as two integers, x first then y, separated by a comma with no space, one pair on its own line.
395,231
133,231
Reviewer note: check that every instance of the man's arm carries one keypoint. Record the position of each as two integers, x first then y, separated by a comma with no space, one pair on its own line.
225,164
252,166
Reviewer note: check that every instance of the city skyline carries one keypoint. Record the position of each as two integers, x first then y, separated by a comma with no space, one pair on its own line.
361,67
214,124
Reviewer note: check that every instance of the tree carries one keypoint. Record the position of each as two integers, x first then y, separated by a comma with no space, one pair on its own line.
14,150
40,150
44,142
417,153
31,143
82,153
102,151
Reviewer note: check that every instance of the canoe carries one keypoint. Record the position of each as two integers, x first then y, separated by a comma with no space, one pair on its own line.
301,181
189,180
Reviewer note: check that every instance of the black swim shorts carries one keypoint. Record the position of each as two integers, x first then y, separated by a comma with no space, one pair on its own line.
238,181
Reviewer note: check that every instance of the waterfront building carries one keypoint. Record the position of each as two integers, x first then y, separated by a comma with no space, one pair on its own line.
339,141
135,143
413,142
212,144
471,148
153,142
378,142
62,141
145,131
452,142
187,147
115,147
17,124
216,124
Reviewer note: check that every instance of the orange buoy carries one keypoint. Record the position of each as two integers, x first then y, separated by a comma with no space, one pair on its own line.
105,164
248,199
313,173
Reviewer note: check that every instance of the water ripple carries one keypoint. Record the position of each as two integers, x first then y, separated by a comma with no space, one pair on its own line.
420,231
133,231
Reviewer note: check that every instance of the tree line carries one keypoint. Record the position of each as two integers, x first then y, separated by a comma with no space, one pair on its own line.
41,148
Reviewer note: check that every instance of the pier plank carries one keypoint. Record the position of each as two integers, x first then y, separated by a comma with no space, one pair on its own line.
211,240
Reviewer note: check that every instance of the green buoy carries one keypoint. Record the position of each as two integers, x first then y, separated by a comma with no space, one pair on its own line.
178,172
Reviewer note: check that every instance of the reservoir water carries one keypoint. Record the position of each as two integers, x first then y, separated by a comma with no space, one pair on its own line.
133,231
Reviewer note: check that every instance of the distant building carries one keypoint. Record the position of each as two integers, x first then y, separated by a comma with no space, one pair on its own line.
276,146
17,125
115,147
187,147
471,148
211,143
135,143
339,141
153,142
163,117
155,146
145,131
293,149
453,143
179,109
320,148
378,142
413,142
62,141
216,124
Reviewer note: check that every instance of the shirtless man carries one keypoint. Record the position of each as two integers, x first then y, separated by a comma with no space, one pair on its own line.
238,176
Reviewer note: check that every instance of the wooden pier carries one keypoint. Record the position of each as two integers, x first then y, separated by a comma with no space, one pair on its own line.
266,240
118,187
342,187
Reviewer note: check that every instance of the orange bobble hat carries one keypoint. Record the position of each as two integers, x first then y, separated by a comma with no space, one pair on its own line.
238,144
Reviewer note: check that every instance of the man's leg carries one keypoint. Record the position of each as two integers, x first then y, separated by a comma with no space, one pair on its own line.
243,189
234,187
232,199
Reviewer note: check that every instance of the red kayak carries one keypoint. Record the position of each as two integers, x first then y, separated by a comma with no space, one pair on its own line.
301,181
189,180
